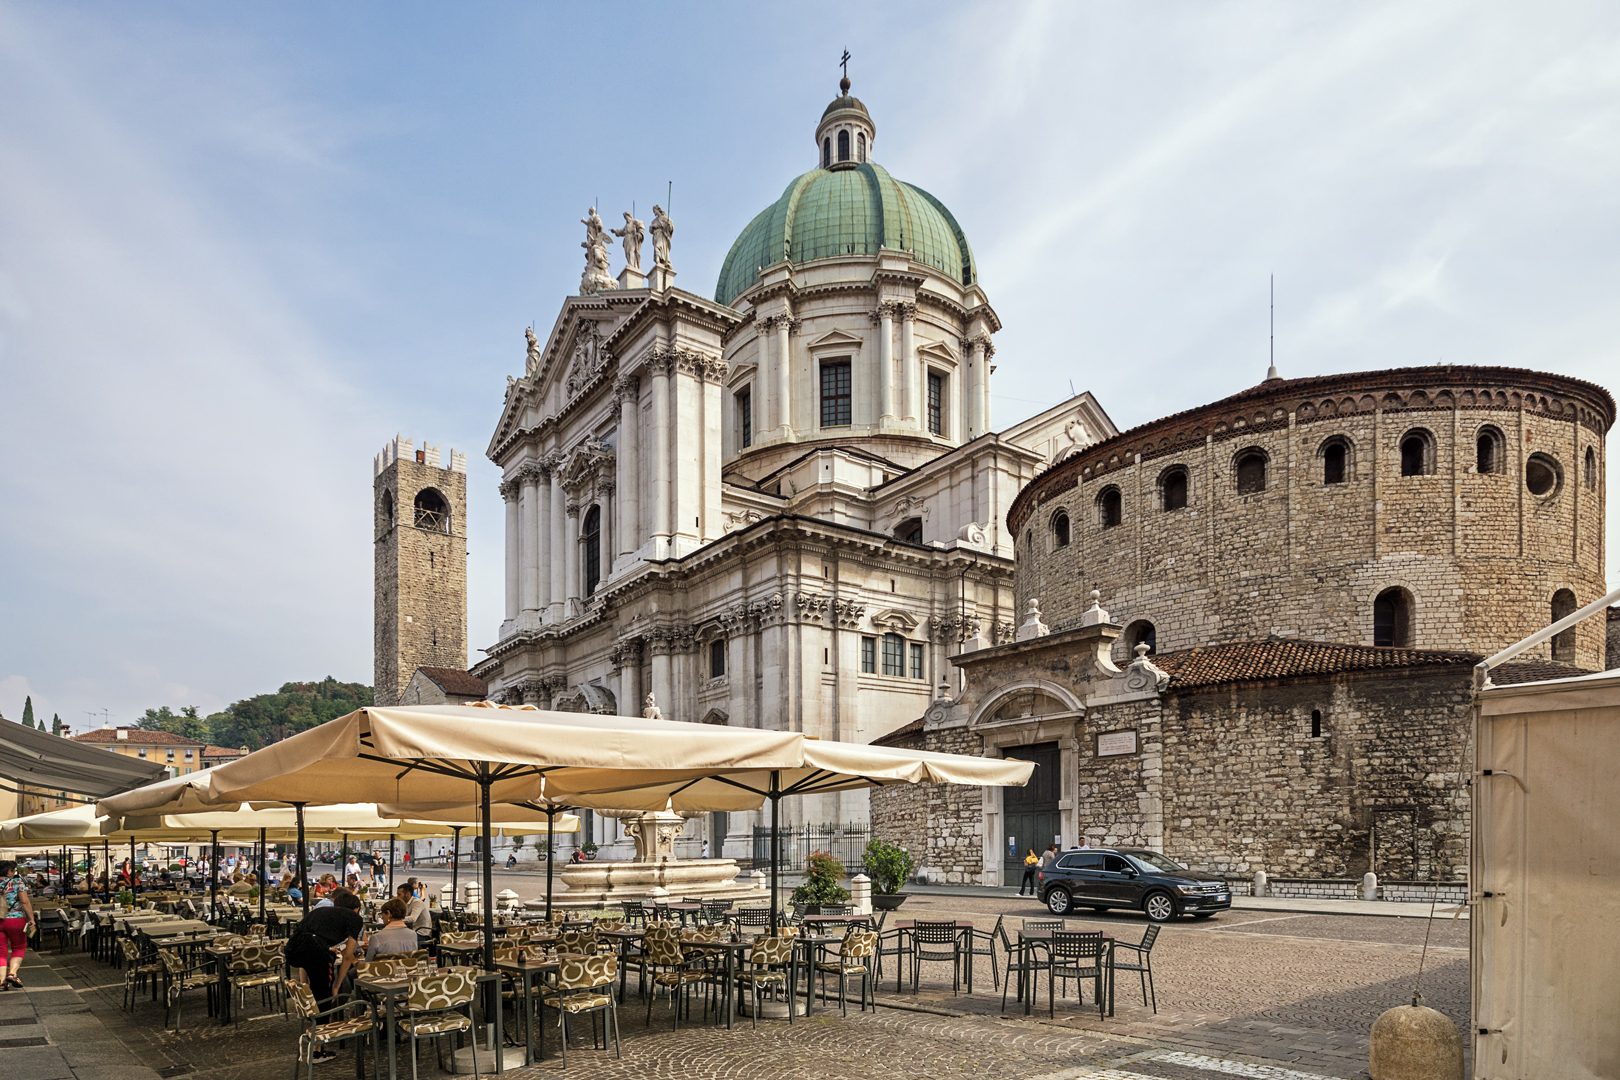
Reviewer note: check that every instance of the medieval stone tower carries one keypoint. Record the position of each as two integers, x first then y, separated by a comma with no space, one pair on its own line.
421,564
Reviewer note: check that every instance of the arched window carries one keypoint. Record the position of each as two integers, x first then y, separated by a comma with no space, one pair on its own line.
388,510
1140,632
1543,475
860,147
1060,529
593,548
1173,488
1110,508
1563,643
826,153
1335,460
1392,618
1591,469
1417,453
894,655
432,512
1490,451
843,145
1251,471
909,530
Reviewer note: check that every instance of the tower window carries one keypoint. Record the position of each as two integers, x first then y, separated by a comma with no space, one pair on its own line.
717,658
593,549
910,531
916,661
826,153
860,147
388,510
1174,488
1543,475
1591,469
1335,461
432,512
745,417
1141,632
1563,643
843,145
868,655
1060,529
1110,508
936,403
894,655
1417,453
1392,618
1490,455
1251,472
835,400
1316,723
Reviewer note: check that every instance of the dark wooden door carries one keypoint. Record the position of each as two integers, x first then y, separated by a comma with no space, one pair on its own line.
1030,813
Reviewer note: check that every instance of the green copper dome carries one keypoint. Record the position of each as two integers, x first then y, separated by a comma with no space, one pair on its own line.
846,210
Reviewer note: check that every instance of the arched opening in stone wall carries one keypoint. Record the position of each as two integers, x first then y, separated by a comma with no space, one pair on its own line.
432,511
910,531
1417,453
1335,460
592,539
860,147
1563,643
1173,488
1140,632
388,510
1490,450
1060,529
843,145
1392,618
1250,467
1591,469
1543,475
1110,508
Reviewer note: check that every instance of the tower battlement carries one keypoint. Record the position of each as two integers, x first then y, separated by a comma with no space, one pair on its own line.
400,448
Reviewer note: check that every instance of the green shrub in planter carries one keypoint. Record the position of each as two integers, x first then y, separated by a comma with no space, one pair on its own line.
888,865
821,875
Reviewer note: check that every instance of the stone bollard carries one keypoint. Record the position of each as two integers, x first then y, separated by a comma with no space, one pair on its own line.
1369,886
472,894
760,880
1259,883
860,894
447,895
1412,1042
657,895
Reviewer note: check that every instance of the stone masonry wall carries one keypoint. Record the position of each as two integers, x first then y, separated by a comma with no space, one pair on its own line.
955,841
420,599
900,813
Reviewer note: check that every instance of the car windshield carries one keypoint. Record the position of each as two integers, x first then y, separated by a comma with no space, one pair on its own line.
1156,861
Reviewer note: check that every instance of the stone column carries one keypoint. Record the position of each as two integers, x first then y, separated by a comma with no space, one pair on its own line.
629,660
989,352
784,375
606,543
542,533
628,466
528,540
885,364
571,566
660,364
976,388
515,558
910,377
559,544
714,423
764,384
663,682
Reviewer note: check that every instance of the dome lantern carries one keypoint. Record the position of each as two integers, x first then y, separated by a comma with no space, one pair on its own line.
845,135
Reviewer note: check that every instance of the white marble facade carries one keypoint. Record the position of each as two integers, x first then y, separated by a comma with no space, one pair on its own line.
813,579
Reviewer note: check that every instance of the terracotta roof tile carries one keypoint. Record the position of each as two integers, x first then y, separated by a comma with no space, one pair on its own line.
1278,658
1522,671
460,683
900,734
136,737
223,751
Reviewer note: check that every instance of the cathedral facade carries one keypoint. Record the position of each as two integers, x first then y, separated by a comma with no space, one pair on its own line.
780,505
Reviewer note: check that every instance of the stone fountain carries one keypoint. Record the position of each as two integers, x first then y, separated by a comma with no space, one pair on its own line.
654,868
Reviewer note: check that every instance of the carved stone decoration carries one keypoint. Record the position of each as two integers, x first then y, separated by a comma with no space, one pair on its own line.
1032,627
663,233
1143,674
531,363
907,506
589,357
740,519
848,612
661,360
951,628
626,388
972,534
533,690
1003,632
1079,436
654,834
887,308
811,607
905,311
587,465
650,710
509,488
596,276
632,234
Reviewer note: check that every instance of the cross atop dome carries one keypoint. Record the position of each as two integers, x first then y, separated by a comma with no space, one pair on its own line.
845,135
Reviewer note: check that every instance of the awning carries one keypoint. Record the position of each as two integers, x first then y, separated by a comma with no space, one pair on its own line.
29,756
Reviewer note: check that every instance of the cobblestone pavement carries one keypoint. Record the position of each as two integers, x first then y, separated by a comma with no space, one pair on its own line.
1249,991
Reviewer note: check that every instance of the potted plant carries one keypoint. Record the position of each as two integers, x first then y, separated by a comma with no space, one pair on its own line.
588,849
126,899
821,875
889,866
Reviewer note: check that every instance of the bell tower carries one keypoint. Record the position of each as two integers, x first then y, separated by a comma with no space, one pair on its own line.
420,514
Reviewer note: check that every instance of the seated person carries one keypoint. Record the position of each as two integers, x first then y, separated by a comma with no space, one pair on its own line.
395,936
417,916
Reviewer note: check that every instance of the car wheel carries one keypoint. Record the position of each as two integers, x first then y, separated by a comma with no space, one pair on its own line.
1058,901
1159,907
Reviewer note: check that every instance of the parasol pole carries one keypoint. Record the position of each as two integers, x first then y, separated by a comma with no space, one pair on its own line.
551,824
303,874
106,861
213,872
455,865
389,890
489,879
263,871
776,853
131,864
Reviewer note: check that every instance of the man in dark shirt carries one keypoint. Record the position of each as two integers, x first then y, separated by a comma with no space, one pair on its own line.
313,941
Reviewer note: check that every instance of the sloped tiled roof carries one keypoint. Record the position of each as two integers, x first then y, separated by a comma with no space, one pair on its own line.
460,683
900,735
1522,671
136,737
222,752
1280,658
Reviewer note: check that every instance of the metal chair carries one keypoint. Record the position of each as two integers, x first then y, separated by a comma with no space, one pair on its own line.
313,1033
585,985
1076,956
767,965
679,974
1144,962
988,937
1021,961
855,956
634,912
178,977
753,918
254,966
136,971
926,939
435,1007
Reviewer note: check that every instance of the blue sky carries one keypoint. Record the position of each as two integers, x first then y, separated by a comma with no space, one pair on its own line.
242,245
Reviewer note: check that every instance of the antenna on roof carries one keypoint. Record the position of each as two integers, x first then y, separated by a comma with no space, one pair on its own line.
1271,372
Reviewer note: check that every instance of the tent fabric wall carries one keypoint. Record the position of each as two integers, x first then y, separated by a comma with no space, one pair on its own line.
1546,880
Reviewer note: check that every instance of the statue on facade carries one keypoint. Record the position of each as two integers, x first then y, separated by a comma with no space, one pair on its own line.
663,231
531,363
596,276
633,233
651,711
595,231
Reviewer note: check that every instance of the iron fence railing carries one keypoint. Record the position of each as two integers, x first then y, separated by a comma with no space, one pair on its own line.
846,843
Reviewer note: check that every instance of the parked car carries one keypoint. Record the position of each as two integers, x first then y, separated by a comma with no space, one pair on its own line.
1102,878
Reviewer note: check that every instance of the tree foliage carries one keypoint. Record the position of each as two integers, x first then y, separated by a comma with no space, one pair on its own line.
187,724
260,720
28,711
822,872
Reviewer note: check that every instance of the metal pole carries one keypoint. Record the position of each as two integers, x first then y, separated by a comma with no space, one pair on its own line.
489,880
213,872
303,874
131,865
106,861
551,824
776,851
455,864
390,886
343,863
264,885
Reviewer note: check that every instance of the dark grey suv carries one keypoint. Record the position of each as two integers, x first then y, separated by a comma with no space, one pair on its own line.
1103,878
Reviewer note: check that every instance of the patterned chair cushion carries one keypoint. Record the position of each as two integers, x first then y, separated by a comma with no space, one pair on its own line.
576,1002
848,967
678,978
443,991
251,959
435,1025
342,1029
749,978
258,978
771,950
302,999
586,972
577,941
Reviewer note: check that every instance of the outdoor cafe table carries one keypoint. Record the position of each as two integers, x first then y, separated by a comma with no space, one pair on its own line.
732,949
963,929
806,944
1028,943
623,937
390,989
821,921
682,910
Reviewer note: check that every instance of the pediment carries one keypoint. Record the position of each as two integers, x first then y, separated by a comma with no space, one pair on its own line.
836,338
573,354
895,619
741,373
938,351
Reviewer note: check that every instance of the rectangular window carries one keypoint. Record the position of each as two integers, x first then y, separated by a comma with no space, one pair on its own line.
141,753
168,755
717,658
894,654
745,417
916,662
188,755
868,656
936,403
835,399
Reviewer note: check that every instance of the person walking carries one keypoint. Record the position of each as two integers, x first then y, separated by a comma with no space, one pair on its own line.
1032,863
17,919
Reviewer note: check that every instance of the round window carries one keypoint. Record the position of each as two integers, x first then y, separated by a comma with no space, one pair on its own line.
1543,475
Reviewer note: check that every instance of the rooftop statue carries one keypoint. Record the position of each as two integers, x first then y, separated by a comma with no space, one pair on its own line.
633,233
596,276
663,231
531,363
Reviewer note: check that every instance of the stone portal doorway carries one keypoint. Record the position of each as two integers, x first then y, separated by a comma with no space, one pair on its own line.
1030,813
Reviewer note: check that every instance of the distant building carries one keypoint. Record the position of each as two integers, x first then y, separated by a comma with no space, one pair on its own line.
178,753
443,686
